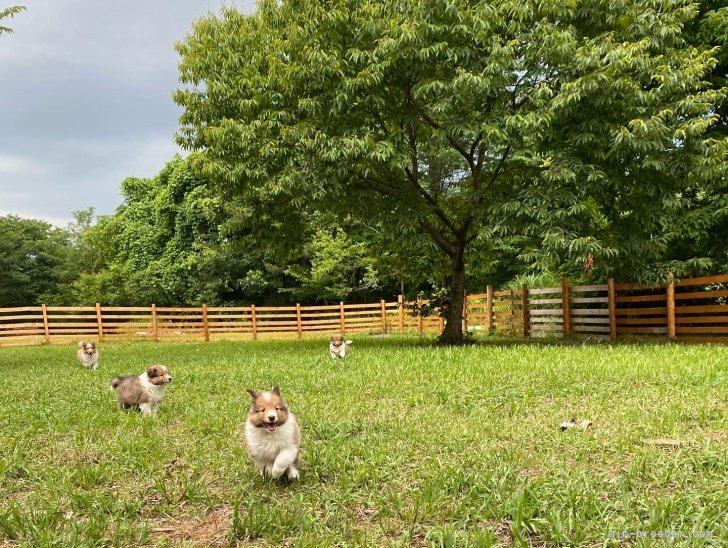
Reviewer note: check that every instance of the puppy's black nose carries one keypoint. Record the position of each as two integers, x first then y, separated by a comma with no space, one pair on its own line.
170,379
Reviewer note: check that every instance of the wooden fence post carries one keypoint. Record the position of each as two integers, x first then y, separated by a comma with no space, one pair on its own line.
342,318
400,303
671,307
46,331
419,315
525,311
512,315
154,323
299,325
383,306
99,324
566,306
205,325
465,313
489,307
612,309
252,319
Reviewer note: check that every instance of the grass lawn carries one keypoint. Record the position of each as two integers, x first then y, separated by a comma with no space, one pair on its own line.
404,444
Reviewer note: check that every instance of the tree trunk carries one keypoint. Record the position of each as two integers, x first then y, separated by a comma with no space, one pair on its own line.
453,332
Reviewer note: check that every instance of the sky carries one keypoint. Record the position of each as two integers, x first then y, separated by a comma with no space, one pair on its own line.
85,100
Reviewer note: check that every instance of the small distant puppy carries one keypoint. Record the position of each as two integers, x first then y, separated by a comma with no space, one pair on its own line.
338,347
272,435
142,392
88,355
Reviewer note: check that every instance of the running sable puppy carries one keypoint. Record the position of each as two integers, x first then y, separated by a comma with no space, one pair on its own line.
88,355
338,346
272,434
143,392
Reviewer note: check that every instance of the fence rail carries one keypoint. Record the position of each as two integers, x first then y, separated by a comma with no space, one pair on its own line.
687,310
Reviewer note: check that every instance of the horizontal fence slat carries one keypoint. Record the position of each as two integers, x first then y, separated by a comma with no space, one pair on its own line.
700,295
544,291
704,280
702,329
701,319
585,288
546,311
723,308
720,340
643,330
546,319
639,298
590,328
588,320
576,312
641,311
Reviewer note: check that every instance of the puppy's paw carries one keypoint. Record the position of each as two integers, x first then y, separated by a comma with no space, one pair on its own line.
293,473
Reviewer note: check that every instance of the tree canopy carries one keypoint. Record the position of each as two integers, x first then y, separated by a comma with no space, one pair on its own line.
579,126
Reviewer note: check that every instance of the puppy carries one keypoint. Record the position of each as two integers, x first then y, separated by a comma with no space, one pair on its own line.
142,392
338,346
272,435
88,355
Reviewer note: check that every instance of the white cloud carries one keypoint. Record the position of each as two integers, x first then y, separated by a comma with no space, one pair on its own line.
14,165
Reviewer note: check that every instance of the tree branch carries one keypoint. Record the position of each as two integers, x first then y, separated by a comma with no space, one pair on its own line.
446,245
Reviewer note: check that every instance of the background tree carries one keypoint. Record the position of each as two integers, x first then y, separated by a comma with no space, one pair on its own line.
32,260
578,125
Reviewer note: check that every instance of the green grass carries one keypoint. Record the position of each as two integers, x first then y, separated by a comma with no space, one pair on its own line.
403,444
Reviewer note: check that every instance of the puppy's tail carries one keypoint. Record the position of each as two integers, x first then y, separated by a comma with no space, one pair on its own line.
115,382
349,342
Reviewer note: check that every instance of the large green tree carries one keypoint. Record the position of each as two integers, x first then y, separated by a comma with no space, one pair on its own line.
576,123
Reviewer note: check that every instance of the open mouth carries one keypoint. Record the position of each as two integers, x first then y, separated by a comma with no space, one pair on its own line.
271,426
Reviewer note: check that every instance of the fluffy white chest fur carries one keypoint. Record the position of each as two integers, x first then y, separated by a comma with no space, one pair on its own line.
154,391
275,452
339,351
89,361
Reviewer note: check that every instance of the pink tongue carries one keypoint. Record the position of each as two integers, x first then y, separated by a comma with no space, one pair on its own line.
270,426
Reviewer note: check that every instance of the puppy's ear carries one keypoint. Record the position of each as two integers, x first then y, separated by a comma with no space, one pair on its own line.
332,338
80,345
152,372
276,390
253,394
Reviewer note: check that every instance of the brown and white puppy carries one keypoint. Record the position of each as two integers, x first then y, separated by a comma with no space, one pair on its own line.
338,346
143,392
88,355
272,435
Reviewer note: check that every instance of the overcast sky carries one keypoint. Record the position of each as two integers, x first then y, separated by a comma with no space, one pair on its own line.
85,100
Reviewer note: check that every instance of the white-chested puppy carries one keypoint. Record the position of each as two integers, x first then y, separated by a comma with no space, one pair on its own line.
338,346
88,355
143,392
272,435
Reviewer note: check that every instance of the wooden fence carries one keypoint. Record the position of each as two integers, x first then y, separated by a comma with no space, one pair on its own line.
688,310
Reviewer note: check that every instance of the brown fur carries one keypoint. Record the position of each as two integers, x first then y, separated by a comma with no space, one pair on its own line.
259,410
132,392
260,406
